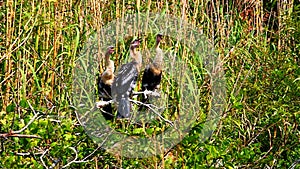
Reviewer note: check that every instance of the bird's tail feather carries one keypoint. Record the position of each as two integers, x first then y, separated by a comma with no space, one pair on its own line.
124,108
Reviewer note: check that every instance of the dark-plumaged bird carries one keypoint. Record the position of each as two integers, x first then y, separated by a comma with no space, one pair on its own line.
152,73
105,82
125,81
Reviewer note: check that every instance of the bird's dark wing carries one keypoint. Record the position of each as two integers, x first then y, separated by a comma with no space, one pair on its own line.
150,80
104,90
146,77
125,81
156,81
122,88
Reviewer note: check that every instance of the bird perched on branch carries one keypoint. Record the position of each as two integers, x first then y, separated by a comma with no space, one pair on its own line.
125,81
105,82
152,73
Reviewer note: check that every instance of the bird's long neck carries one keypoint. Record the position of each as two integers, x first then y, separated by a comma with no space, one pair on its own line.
158,60
108,75
111,66
109,63
107,58
136,57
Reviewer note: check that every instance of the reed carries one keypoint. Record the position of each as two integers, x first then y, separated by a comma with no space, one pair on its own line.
257,42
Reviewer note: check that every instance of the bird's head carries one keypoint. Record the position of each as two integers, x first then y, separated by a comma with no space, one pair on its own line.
135,44
158,38
110,50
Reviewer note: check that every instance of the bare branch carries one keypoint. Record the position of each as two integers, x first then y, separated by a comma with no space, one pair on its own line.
91,153
23,154
294,164
154,111
16,133
27,154
19,135
98,146
54,120
88,156
42,158
76,156
147,93
8,77
105,112
102,103
32,120
77,115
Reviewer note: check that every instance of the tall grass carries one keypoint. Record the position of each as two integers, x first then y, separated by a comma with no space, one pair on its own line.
257,42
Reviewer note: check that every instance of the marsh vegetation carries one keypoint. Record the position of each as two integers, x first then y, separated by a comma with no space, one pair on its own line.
257,43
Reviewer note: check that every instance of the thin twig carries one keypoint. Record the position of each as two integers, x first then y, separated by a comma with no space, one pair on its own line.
76,156
23,154
3,57
99,145
31,121
77,117
19,135
16,133
28,154
102,103
263,129
294,164
147,93
147,105
105,112
7,77
26,38
42,158
85,158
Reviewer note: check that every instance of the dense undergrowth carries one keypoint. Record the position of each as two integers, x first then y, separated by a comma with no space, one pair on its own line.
257,41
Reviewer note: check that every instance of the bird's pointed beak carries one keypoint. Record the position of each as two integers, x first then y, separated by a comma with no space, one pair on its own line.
111,49
136,43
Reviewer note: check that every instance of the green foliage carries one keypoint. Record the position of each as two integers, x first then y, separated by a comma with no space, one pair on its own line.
41,40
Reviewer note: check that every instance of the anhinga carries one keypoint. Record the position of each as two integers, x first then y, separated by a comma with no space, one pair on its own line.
105,82
152,73
125,81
